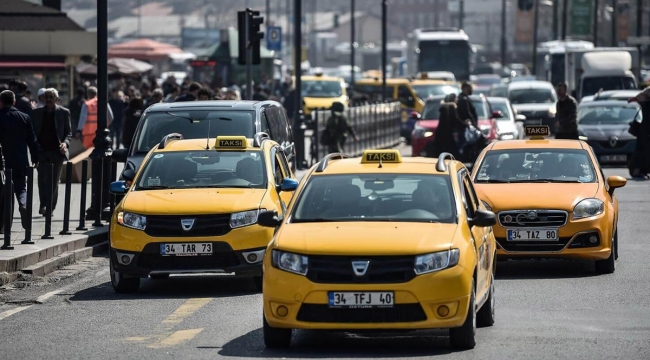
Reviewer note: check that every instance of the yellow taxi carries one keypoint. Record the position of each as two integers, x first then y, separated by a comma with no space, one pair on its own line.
381,242
551,199
193,207
320,92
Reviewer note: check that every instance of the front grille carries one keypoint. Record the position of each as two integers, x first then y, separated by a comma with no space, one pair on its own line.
617,144
204,225
222,257
522,246
526,218
381,269
398,313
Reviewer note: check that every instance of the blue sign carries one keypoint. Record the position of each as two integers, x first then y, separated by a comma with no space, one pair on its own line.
274,38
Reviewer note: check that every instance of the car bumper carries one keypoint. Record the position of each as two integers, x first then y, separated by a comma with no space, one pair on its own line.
415,307
574,241
620,153
418,144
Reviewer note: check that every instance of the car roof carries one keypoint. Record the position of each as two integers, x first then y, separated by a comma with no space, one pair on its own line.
433,82
602,103
409,165
322,77
497,99
200,144
212,105
536,84
389,81
537,144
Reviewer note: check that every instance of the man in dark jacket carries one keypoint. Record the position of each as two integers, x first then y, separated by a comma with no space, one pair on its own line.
23,104
16,136
75,106
467,114
2,184
640,164
567,114
52,126
192,93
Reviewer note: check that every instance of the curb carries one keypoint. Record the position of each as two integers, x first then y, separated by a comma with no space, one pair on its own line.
50,265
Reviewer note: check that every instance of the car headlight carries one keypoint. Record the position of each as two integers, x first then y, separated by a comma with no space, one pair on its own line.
244,218
421,132
436,261
486,129
290,262
131,220
588,208
487,206
506,136
551,111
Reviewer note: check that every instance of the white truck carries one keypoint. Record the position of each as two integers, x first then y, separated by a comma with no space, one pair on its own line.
589,71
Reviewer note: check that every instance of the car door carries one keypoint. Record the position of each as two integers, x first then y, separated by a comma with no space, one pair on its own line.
479,236
281,170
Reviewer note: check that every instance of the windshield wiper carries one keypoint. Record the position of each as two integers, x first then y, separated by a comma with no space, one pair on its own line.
222,186
494,181
545,181
179,116
153,187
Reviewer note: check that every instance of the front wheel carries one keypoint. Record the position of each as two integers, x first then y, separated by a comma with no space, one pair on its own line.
276,338
464,337
608,266
122,285
485,316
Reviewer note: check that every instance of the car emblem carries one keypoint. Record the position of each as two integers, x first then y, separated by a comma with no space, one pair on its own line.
360,267
508,219
187,224
532,215
612,141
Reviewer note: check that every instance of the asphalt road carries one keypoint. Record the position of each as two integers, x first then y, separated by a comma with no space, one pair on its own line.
545,310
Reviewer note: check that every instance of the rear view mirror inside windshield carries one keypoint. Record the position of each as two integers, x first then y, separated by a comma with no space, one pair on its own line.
378,185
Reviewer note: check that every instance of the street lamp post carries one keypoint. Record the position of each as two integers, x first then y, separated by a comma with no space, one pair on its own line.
535,24
596,22
614,22
565,10
503,32
297,48
352,39
384,46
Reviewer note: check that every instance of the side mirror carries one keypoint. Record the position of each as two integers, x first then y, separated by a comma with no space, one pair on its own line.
288,184
483,218
520,118
497,114
615,182
120,155
118,188
128,174
415,115
268,219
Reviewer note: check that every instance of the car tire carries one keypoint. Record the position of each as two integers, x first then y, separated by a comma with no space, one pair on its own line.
464,337
258,281
159,276
615,245
486,315
122,285
276,338
608,266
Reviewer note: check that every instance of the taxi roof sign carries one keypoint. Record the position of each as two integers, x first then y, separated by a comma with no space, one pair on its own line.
381,156
537,132
231,142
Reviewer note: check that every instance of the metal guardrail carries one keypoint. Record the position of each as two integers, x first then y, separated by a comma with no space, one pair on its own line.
377,126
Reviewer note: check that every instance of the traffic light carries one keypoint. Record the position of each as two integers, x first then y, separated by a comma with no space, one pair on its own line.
255,36
525,5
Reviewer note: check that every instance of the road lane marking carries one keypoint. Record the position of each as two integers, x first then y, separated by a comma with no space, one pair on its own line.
8,313
41,299
176,338
185,310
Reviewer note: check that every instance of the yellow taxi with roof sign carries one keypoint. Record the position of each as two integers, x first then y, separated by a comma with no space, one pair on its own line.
193,207
551,198
380,242
320,92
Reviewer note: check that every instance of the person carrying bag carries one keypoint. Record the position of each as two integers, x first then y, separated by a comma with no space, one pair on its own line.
337,130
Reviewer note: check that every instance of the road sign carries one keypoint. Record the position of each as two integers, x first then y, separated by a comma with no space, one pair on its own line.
638,40
274,38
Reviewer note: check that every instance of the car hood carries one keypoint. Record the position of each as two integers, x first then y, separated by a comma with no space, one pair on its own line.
533,107
192,201
357,238
324,102
537,196
429,124
506,126
605,131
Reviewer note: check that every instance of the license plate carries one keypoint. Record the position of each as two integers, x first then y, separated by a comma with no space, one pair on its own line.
361,299
186,249
533,235
613,158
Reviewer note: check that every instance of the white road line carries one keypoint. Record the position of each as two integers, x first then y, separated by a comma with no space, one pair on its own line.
41,299
8,313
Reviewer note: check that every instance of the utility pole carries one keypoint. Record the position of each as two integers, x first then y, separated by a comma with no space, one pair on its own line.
384,47
298,135
555,22
639,26
614,23
535,24
268,13
565,10
503,32
352,38
596,22
249,57
461,15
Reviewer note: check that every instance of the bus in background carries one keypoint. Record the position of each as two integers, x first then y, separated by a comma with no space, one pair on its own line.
551,57
440,49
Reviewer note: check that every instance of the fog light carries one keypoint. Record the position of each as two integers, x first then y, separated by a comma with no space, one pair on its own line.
124,259
282,311
593,239
251,257
443,310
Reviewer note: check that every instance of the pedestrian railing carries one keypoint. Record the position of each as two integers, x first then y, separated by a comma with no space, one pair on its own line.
377,126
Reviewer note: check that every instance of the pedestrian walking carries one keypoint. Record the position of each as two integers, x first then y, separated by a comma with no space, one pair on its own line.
204,94
17,139
448,124
87,126
173,94
157,97
52,126
640,164
566,110
192,93
23,104
40,97
132,116
75,106
337,130
3,180
118,105
467,114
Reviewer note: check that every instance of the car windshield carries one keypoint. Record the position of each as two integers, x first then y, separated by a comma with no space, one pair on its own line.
504,108
499,91
481,109
424,91
203,168
432,110
591,86
321,88
487,80
157,125
536,165
532,96
376,197
609,114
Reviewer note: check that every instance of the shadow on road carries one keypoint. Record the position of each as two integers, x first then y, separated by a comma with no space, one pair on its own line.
176,287
326,344
544,269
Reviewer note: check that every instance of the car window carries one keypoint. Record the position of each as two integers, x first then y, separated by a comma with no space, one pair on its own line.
432,110
536,165
591,86
204,123
264,123
425,90
609,114
532,96
405,96
481,108
470,198
192,169
278,132
376,197
321,88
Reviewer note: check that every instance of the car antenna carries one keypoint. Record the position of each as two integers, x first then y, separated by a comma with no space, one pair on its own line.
207,139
